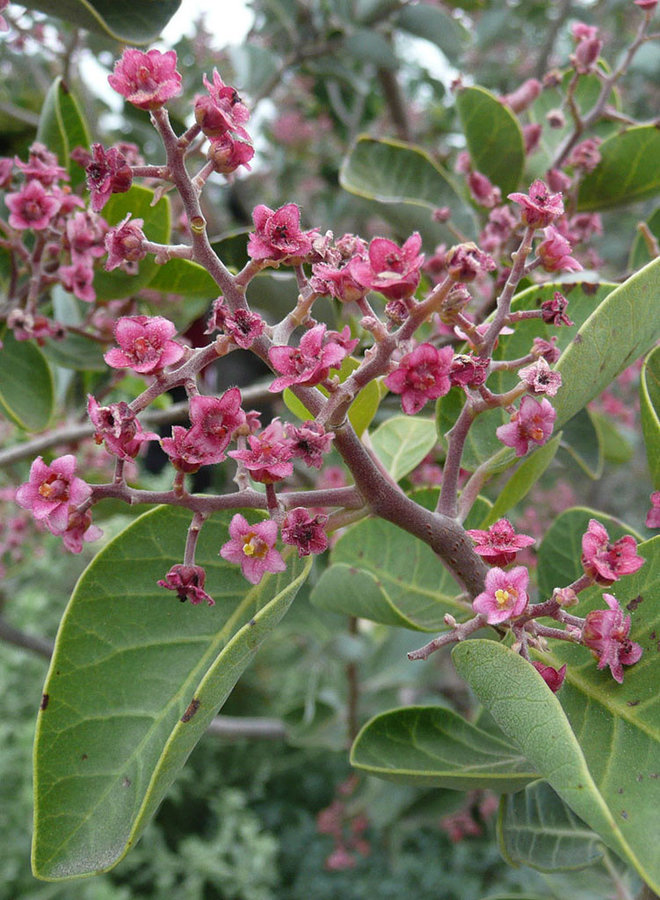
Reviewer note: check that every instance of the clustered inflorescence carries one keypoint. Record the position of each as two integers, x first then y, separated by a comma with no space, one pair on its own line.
434,335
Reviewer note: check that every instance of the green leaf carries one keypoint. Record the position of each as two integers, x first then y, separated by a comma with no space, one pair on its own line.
623,328
582,443
184,277
395,172
26,384
586,774
649,394
77,352
127,21
135,679
536,828
360,412
434,25
628,170
522,480
382,573
402,442
615,447
369,46
255,67
494,137
559,553
62,128
481,443
117,284
435,747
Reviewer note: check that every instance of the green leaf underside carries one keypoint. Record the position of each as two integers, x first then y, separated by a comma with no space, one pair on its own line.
62,128
117,284
384,574
402,442
435,747
119,723
582,442
536,828
26,384
628,170
649,393
494,137
128,21
532,717
395,172
184,277
436,26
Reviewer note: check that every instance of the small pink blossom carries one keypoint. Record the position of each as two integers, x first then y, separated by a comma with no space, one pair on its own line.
253,548
221,110
188,582
532,423
422,375
184,450
144,344
646,5
305,532
125,243
27,327
468,370
228,152
554,678
309,442
42,165
243,325
523,96
338,280
553,311
147,80
539,208
53,491
532,136
78,279
505,596
465,262
547,349
554,252
585,155
108,173
309,363
500,543
277,236
118,426
587,49
389,269
269,458
540,378
606,631
80,529
85,236
32,207
653,515
483,191
605,561
214,421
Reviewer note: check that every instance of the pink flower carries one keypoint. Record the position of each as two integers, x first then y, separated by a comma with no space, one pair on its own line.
646,5
78,279
32,207
532,135
483,191
540,378
553,311
125,242
421,376
243,326
253,548
214,421
547,349
309,363
500,543
309,442
338,281
26,327
585,155
221,110
184,450
305,532
587,50
277,235
107,173
465,262
653,515
119,427
392,270
523,96
505,596
606,631
604,561
147,80
554,678
85,235
269,458
188,582
53,492
227,153
539,208
468,370
144,344
80,529
554,252
532,423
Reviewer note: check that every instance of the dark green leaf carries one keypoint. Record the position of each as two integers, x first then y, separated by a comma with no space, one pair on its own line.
582,442
649,392
135,679
26,384
127,21
493,136
435,25
433,746
536,828
616,448
522,480
62,128
369,46
628,170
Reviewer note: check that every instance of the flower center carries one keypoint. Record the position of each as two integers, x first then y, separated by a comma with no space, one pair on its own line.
254,547
506,597
54,489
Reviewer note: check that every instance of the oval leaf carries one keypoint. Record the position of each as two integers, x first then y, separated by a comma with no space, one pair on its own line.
435,747
402,442
26,384
62,128
649,393
135,679
522,480
494,137
628,170
128,21
435,25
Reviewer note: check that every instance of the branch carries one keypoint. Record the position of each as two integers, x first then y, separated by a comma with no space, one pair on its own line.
39,645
